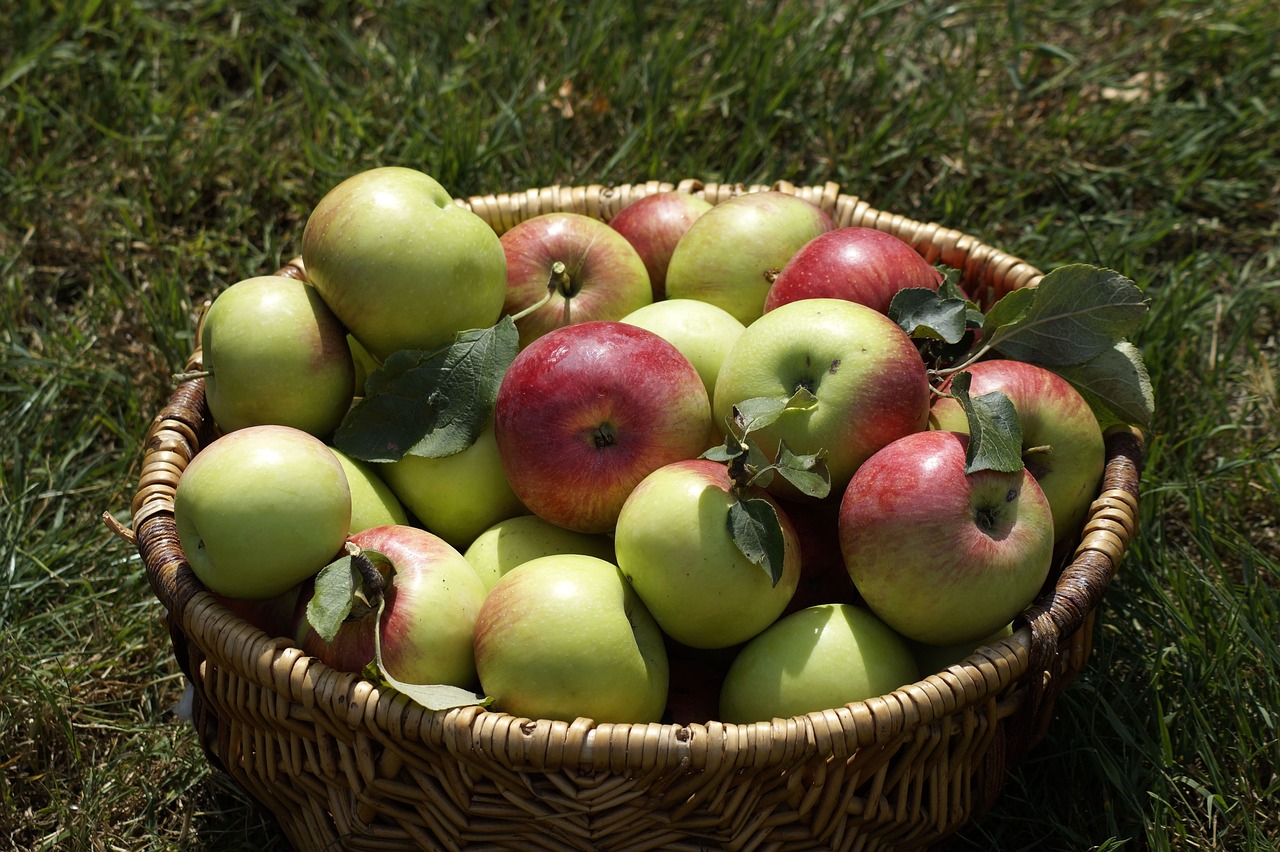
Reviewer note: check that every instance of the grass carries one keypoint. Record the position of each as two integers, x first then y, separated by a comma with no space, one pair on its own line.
151,154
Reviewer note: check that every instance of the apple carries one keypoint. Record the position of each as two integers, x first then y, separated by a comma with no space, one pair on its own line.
654,225
823,578
373,503
587,411
275,354
936,658
674,546
515,541
1061,438
364,362
862,265
870,383
565,637
400,263
819,658
603,279
702,332
944,557
732,253
432,601
457,497
261,509
273,616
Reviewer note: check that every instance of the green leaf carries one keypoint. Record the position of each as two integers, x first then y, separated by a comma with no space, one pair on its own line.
808,473
433,696
331,602
924,313
431,404
1009,311
757,532
761,411
1077,313
995,432
1116,386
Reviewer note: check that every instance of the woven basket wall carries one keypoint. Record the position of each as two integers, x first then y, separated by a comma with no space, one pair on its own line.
343,764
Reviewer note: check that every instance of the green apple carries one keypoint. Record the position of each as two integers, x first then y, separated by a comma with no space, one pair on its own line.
701,331
944,556
674,546
456,497
935,658
564,637
867,377
400,263
275,355
373,503
1061,439
515,541
731,254
819,658
261,509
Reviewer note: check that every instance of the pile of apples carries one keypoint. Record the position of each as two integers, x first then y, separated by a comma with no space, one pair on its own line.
679,466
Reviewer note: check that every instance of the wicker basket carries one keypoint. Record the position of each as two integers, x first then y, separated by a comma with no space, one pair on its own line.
343,764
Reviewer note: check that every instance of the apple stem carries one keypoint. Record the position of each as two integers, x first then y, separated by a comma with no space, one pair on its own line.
374,582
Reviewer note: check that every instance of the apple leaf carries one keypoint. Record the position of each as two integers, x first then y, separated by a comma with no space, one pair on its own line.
808,473
761,411
433,696
1116,386
995,432
924,313
430,403
757,533
335,591
1076,313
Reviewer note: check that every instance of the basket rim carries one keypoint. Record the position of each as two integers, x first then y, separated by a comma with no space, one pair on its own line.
988,676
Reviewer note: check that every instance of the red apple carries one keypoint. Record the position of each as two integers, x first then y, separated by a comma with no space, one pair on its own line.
733,252
587,411
823,578
653,225
604,278
942,556
861,265
1061,439
432,602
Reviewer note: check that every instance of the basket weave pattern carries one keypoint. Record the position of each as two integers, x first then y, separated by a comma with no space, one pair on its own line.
343,764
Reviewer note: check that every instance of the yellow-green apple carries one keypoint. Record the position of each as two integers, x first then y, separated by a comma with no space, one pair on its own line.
702,332
602,277
863,265
1061,439
563,637
674,545
732,253
401,264
867,377
819,658
515,541
365,364
261,509
944,556
457,497
654,225
373,503
935,658
587,411
276,355
432,600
